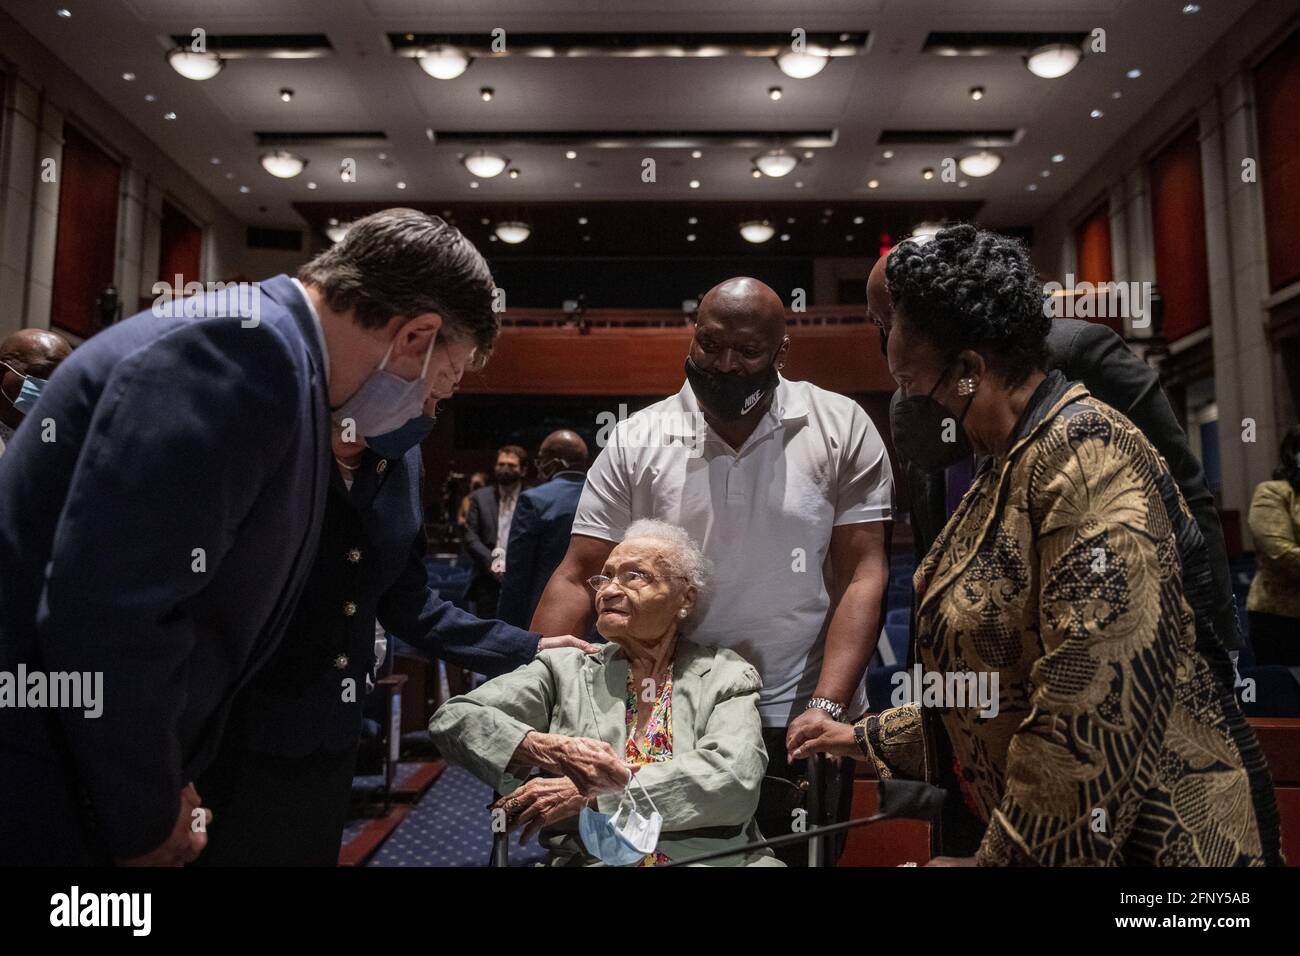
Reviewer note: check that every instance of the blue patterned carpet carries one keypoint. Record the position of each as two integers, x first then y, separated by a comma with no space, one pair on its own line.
448,827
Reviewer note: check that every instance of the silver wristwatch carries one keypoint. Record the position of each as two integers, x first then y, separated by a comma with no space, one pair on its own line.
821,703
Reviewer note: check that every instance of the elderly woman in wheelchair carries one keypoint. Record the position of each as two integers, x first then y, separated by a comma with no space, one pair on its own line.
651,748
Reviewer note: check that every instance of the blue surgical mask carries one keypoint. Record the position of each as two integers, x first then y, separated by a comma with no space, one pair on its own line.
623,843
28,394
397,443
385,402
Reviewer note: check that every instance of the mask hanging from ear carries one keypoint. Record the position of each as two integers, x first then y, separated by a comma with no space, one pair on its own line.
926,433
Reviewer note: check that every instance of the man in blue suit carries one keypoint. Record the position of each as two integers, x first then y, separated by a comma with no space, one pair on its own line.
156,533
542,524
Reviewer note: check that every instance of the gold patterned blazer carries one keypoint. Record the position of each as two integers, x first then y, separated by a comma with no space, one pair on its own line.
1275,525
1112,743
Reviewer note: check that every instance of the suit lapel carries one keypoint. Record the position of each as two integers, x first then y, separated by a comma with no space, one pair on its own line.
607,692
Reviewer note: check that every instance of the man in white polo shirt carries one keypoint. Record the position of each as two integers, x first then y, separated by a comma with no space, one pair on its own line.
786,486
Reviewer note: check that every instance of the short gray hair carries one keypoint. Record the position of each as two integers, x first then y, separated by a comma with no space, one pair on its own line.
683,555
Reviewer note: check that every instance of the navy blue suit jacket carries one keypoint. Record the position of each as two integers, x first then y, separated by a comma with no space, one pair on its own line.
539,538
161,539
370,564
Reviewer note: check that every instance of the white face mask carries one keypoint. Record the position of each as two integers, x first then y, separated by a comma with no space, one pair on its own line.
625,843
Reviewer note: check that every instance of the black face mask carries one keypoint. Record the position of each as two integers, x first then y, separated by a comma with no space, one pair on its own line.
507,478
548,468
920,423
728,396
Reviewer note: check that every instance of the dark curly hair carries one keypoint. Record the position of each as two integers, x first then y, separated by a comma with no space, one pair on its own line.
1289,468
969,288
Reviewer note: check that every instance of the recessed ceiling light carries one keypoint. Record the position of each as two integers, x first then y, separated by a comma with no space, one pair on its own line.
485,164
776,162
801,66
694,184
169,115
755,174
582,220
977,93
790,220
492,238
775,93
927,173
64,12
785,237
690,237
696,154
1116,95
577,185
513,174
888,154
962,184
244,189
1134,73
282,163
756,231
857,220
692,220
570,154
401,185
443,62
286,95
1045,173
428,133
194,65
1191,8
129,77
486,94
1032,187
586,238
1058,157
215,160
336,231
808,154
798,184
473,184
311,185
1096,114
230,175
1053,60
513,232
873,183
983,163
848,238
150,98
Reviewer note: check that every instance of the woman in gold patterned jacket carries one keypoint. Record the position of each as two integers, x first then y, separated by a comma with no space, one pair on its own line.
1059,584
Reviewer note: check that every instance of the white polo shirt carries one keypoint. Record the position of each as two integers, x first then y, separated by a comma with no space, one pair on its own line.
763,515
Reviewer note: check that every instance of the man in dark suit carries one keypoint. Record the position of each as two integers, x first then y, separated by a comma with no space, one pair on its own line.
281,784
487,529
542,524
1091,353
159,539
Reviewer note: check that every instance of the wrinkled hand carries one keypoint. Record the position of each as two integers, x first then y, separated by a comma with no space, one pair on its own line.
592,765
539,803
184,844
567,640
815,731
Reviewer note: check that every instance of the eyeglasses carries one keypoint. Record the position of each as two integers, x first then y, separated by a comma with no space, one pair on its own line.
631,580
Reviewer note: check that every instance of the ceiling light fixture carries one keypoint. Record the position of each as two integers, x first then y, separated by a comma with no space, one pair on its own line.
873,183
927,173
487,93
1053,60
757,231
443,62
336,232
1134,73
1058,157
193,65
485,164
694,184
570,154
513,174
801,66
129,77
776,163
774,93
977,93
513,232
282,164
286,95
979,164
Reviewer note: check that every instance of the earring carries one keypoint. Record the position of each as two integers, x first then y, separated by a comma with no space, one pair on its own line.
682,613
966,386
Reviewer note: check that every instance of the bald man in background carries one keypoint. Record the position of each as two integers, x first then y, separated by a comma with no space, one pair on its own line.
787,488
539,530
27,359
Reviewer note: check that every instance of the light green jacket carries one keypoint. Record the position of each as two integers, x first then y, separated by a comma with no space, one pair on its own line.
707,793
